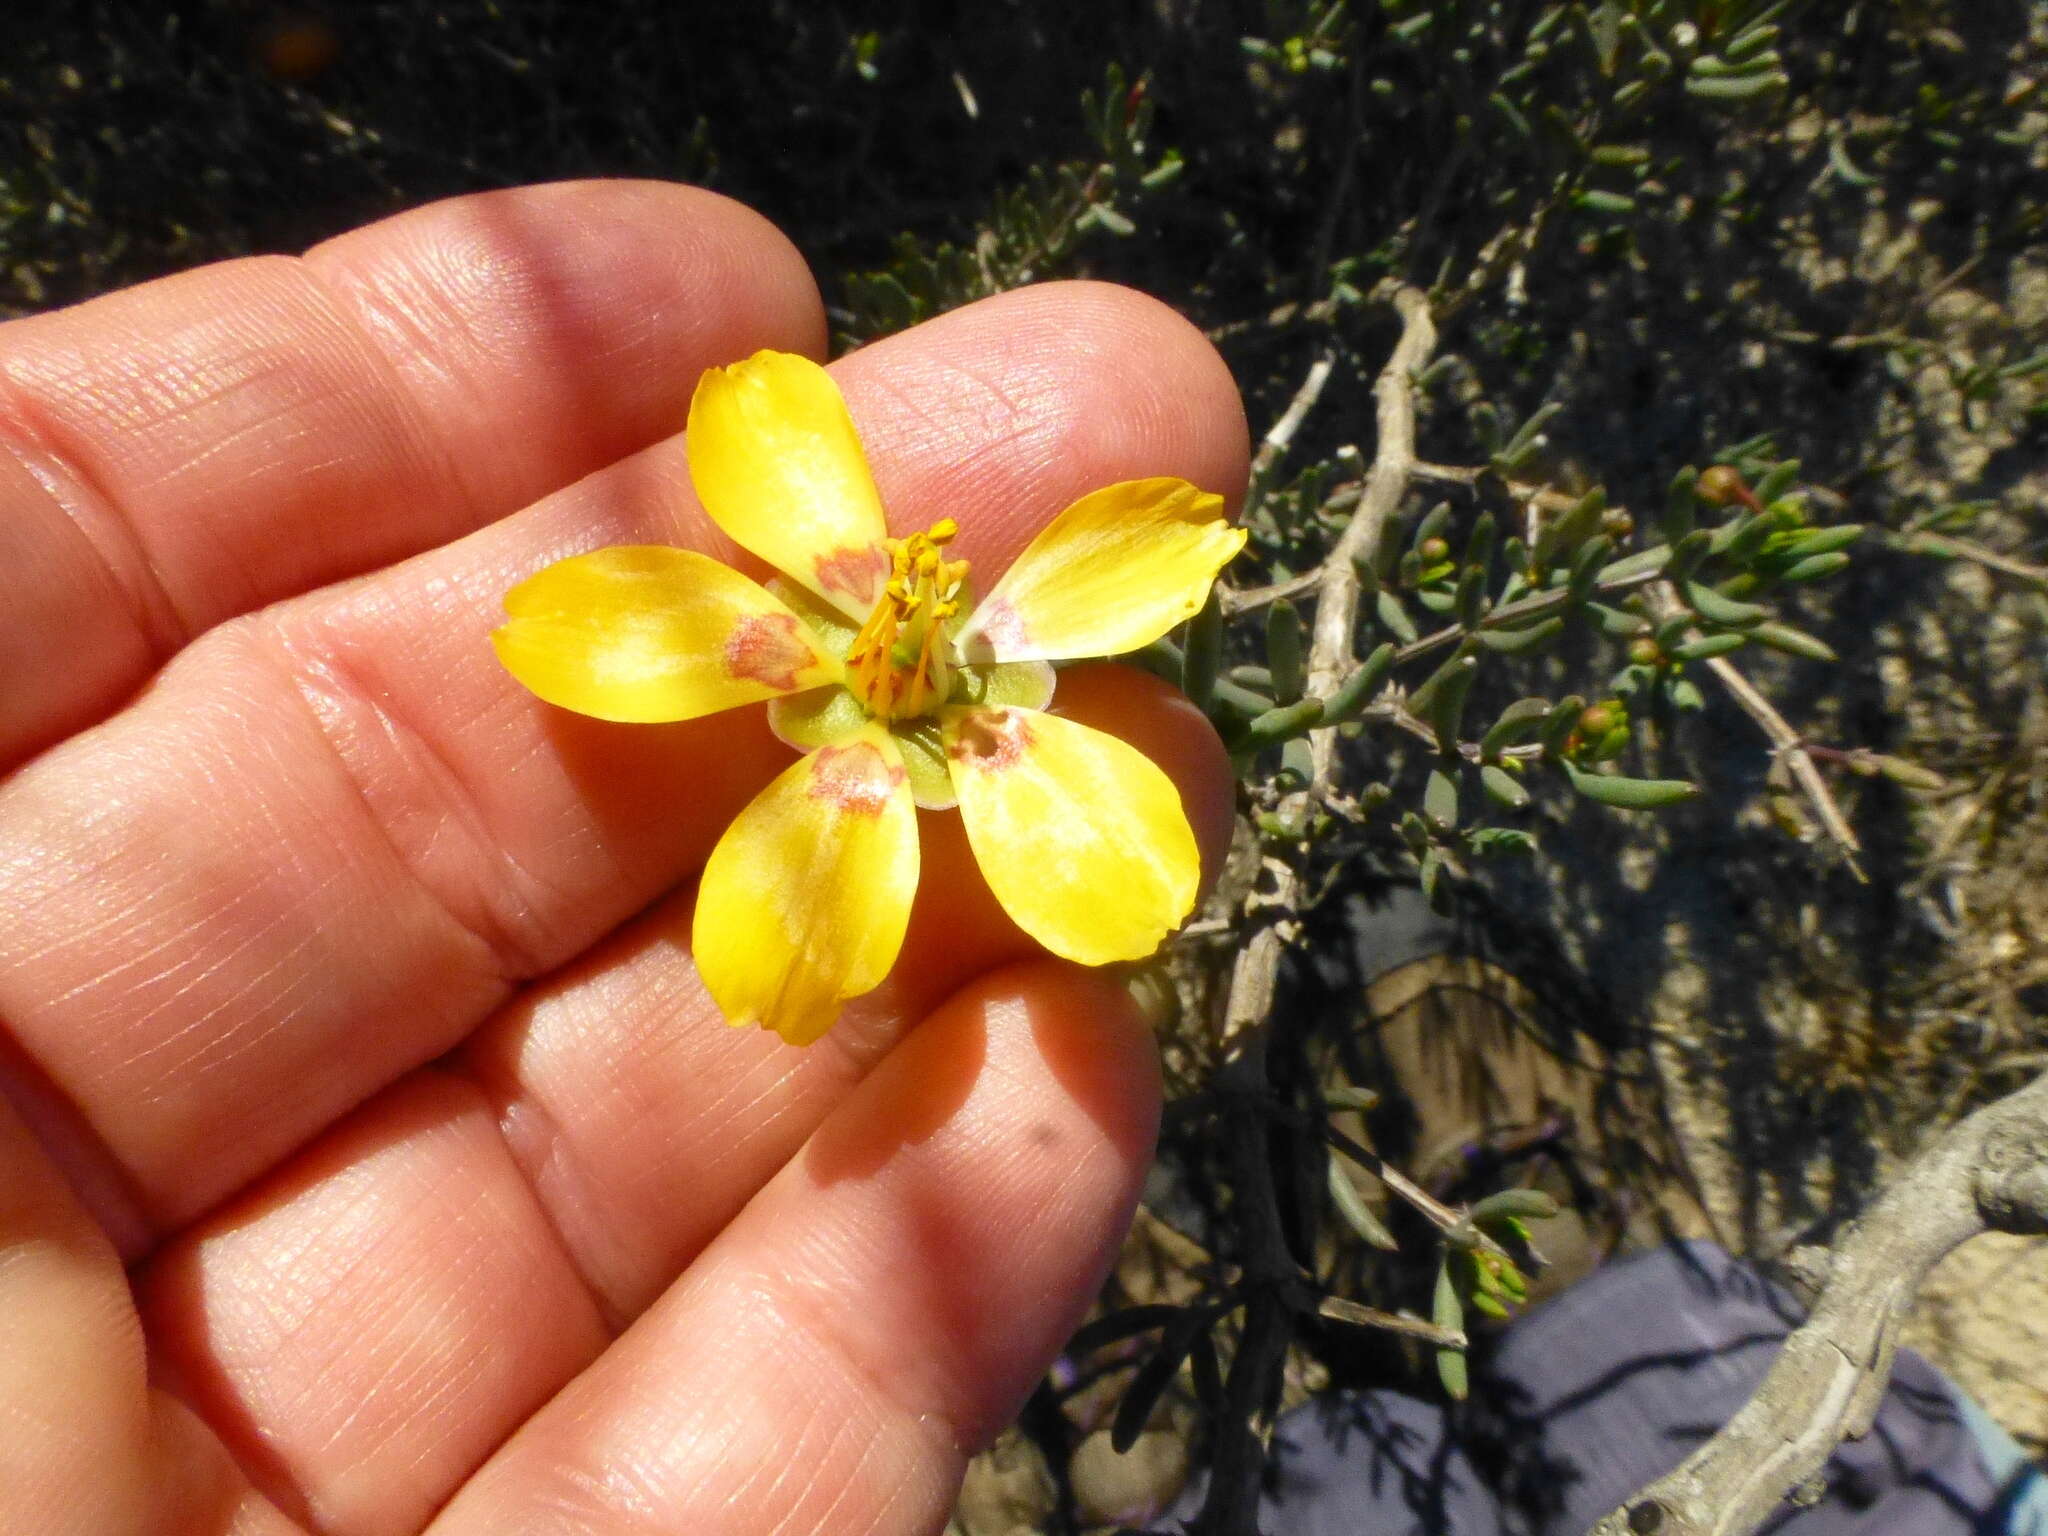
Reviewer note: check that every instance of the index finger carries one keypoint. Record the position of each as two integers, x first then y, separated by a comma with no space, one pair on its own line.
197,447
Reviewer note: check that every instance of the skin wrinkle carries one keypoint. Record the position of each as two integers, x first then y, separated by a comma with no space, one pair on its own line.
264,1021
965,449
228,1043
256,362
446,1378
868,1473
138,964
515,956
397,412
374,325
403,391
935,1430
90,509
351,1202
275,424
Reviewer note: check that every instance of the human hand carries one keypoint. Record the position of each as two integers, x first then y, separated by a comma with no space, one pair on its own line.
345,986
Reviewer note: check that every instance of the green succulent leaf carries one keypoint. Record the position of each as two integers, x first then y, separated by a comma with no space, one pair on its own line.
1630,794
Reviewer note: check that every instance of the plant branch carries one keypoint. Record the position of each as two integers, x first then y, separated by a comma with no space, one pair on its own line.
1280,436
1786,743
1338,1310
1990,1173
1245,1425
1331,653
1943,546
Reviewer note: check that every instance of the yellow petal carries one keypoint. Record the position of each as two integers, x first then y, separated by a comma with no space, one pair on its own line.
1081,837
805,898
778,466
641,632
1115,571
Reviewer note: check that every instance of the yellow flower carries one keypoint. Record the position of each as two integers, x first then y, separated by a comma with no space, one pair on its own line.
901,690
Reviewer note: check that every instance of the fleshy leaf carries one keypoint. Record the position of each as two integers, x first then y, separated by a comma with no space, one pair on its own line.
1081,837
646,633
804,901
1115,571
778,465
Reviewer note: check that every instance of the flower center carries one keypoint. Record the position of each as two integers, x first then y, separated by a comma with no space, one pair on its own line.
897,665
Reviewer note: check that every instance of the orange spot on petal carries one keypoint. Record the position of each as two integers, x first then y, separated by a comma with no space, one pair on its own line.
769,648
1001,625
854,572
991,739
855,779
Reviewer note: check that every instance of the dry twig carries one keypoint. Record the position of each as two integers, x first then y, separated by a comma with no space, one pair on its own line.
1990,1173
1946,546
1786,743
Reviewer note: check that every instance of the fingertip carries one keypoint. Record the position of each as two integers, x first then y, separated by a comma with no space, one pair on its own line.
1095,1042
1008,410
1160,721
1027,1105
1175,394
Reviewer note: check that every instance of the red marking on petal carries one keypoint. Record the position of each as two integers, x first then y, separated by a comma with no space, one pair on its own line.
857,573
991,739
769,648
855,778
1001,625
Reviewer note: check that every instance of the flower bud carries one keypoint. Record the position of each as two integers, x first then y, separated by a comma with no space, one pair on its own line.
1722,484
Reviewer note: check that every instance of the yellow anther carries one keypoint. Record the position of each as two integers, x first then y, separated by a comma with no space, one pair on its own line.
897,663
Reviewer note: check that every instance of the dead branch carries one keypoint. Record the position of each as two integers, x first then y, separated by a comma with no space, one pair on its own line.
1989,1173
1944,546
1338,1310
1280,436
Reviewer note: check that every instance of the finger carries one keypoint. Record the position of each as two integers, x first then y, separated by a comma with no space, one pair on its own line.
882,1306
373,1320
89,1448
331,838
199,446
363,1329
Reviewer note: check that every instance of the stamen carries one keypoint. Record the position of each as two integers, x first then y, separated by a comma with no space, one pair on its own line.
898,661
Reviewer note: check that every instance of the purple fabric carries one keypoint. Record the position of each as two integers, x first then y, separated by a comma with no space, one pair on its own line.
1591,1396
